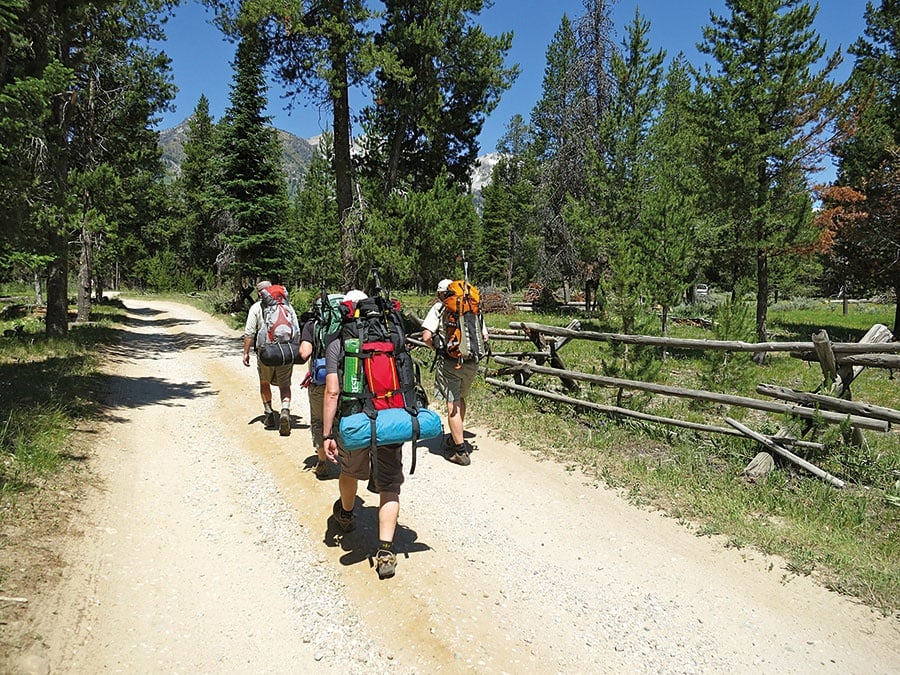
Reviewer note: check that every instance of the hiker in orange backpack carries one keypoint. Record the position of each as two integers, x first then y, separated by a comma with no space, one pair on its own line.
269,375
456,331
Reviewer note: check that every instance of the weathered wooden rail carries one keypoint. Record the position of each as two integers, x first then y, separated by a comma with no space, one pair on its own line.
841,363
721,345
699,394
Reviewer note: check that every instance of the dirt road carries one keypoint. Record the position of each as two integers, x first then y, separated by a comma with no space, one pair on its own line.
202,545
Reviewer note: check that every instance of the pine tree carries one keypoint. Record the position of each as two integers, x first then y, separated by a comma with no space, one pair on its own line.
314,230
253,183
443,77
561,125
81,85
508,211
669,209
613,219
320,50
199,187
866,248
763,113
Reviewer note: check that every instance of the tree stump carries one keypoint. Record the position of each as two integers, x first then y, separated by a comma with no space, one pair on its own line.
759,467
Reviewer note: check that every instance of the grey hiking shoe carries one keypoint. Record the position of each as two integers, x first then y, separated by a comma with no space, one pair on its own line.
459,454
345,523
385,564
284,427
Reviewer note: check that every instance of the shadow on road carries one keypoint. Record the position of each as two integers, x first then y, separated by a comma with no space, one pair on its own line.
362,542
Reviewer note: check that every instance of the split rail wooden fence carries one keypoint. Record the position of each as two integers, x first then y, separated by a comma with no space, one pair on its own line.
841,363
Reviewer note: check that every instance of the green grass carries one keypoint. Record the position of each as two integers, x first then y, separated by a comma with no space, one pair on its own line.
50,387
849,539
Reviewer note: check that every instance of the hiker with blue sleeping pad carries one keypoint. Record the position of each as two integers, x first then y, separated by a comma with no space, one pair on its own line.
373,405
272,327
456,331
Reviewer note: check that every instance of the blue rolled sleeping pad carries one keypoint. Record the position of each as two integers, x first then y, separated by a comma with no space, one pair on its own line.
393,426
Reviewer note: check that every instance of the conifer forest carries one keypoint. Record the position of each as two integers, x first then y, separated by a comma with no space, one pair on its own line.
636,172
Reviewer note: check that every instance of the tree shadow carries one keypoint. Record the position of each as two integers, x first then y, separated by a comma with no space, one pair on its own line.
802,332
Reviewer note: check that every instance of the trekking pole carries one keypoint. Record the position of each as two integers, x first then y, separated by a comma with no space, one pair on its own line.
463,334
381,298
465,275
377,281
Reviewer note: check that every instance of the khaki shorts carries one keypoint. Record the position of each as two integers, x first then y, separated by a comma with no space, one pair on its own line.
452,383
280,376
390,466
316,395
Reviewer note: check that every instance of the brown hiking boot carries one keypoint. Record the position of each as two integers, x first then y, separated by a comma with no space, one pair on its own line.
284,427
459,454
345,523
271,419
385,564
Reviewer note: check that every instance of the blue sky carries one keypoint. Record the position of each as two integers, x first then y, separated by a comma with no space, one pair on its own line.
201,59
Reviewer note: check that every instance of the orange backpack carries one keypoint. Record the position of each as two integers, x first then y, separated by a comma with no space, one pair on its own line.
462,322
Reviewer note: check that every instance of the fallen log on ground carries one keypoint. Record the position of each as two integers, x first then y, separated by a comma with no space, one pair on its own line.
774,447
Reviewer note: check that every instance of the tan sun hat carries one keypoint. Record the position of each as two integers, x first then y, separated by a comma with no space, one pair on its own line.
262,284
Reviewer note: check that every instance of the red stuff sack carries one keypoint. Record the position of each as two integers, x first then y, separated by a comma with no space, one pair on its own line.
382,379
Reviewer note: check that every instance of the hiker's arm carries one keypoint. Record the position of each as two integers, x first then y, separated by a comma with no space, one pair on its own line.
430,325
305,351
329,410
250,329
248,343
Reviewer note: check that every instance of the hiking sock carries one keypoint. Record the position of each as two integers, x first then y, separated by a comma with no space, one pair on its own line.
345,514
286,404
267,407
386,546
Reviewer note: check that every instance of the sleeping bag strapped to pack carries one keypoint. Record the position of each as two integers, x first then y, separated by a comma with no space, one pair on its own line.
381,401
462,324
278,340
327,327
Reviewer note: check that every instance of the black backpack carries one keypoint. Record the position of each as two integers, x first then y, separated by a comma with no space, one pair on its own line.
378,375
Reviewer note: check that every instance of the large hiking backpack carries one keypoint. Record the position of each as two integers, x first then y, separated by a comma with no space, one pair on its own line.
382,401
462,325
326,327
278,340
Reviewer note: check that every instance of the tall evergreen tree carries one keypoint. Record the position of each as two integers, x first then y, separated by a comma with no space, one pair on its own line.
444,77
508,212
314,231
614,218
668,210
867,247
561,125
199,187
764,110
254,186
321,49
87,87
